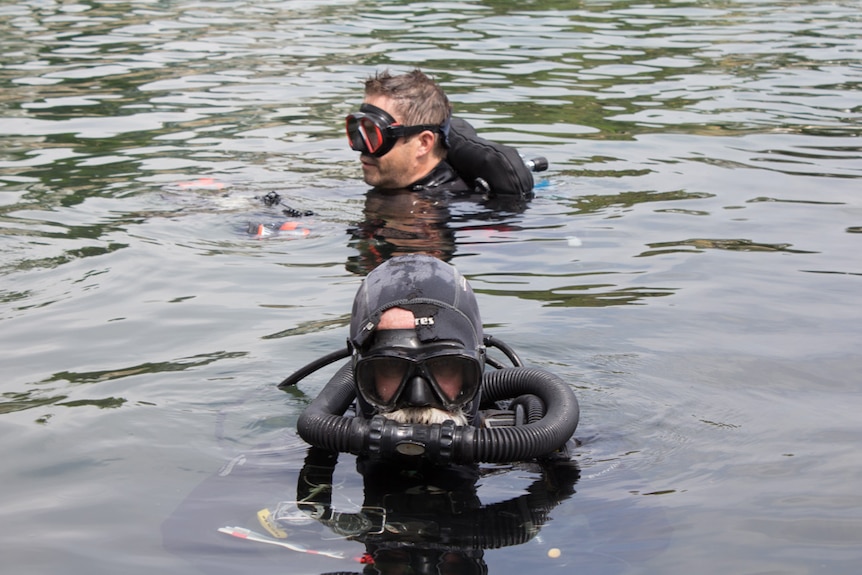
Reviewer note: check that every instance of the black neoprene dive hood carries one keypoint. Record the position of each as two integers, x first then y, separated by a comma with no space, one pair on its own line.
437,294
446,310
442,302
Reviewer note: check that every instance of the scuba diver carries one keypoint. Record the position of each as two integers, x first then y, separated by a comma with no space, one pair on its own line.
416,406
416,389
408,139
411,146
457,453
400,131
419,159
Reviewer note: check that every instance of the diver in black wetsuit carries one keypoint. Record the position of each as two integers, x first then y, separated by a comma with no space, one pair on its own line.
420,410
408,139
425,413
401,131
418,379
418,158
421,509
415,154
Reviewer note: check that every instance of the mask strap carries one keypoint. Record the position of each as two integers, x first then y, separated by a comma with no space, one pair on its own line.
382,114
371,109
444,130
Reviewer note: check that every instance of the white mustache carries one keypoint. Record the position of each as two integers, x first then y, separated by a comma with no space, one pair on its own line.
426,416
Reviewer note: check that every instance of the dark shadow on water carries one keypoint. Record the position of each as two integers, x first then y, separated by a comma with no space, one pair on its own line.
34,398
586,295
696,245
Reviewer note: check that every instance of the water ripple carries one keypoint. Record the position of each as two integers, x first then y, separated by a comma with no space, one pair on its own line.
689,263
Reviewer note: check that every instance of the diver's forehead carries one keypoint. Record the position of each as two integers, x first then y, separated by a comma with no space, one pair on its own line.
396,318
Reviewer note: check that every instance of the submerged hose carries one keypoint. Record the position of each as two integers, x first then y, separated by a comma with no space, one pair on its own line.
323,424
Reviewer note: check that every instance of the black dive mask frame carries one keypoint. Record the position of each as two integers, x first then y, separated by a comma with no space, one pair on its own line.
488,341
374,131
438,374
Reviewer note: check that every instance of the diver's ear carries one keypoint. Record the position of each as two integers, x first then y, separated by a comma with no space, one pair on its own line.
425,142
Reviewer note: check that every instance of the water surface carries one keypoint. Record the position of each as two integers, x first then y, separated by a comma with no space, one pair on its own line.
690,263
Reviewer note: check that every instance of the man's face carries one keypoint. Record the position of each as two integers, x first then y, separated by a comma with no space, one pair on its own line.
399,167
388,377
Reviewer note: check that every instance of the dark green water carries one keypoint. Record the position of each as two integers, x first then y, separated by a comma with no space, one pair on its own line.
691,263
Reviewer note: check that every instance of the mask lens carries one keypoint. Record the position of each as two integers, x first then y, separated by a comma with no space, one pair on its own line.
379,378
364,134
353,135
371,133
456,377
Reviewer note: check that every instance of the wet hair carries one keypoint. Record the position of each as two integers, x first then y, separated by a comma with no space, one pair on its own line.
418,99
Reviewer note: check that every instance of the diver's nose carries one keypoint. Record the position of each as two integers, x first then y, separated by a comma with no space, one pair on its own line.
419,393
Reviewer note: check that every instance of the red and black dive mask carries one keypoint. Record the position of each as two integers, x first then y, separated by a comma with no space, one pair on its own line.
399,371
373,131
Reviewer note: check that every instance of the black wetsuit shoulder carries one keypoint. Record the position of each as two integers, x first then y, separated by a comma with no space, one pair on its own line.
443,178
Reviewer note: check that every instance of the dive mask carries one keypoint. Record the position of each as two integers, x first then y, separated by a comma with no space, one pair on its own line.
373,131
399,371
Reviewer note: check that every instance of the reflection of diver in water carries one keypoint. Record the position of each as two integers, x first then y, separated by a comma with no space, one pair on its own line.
296,521
398,222
406,221
429,520
445,520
